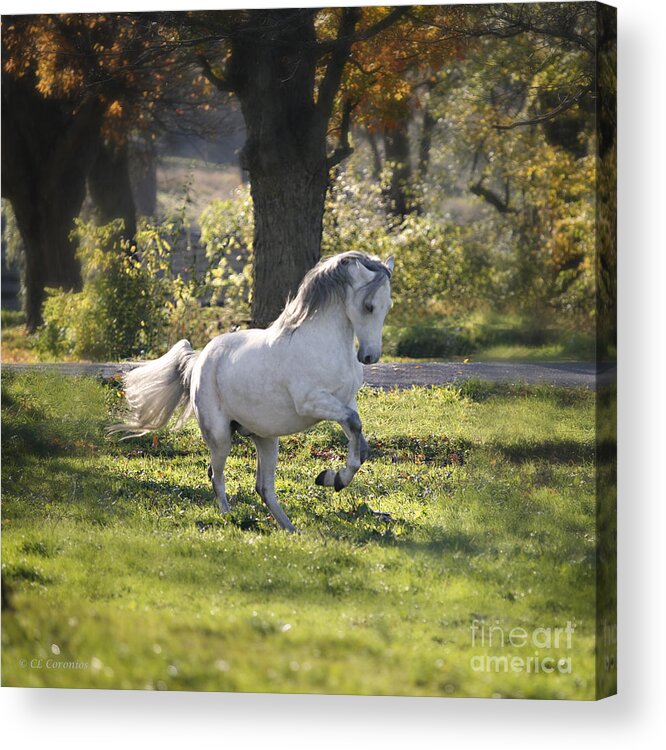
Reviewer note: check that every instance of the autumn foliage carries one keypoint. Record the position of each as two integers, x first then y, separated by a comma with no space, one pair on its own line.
416,111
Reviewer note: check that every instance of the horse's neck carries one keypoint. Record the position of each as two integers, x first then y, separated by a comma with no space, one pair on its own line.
333,329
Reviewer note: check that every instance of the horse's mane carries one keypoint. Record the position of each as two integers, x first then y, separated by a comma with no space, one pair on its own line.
326,283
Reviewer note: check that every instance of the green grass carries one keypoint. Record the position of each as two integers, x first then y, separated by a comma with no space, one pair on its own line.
115,556
17,346
487,336
560,351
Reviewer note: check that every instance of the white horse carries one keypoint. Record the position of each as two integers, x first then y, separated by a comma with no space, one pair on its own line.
301,370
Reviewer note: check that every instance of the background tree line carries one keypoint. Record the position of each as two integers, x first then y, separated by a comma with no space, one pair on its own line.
464,135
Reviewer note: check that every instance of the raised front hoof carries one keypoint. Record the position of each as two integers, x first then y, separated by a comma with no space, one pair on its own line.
330,478
326,478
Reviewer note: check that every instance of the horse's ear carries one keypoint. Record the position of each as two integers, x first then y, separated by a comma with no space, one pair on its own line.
389,263
363,275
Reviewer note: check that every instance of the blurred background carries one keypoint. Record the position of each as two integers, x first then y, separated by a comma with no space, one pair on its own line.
139,205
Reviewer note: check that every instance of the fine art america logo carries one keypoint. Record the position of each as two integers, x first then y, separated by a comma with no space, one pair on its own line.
521,650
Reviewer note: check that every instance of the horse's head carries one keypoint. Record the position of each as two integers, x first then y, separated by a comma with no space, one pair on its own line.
367,302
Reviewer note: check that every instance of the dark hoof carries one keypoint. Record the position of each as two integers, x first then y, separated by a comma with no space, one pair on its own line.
337,483
321,479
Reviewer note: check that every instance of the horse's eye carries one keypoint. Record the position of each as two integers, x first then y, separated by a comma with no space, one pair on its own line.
369,307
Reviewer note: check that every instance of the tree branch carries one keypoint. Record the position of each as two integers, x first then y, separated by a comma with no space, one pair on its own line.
504,24
351,38
221,84
339,56
563,107
344,148
490,197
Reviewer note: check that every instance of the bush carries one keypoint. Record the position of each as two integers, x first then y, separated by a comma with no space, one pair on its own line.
430,341
436,260
226,234
126,303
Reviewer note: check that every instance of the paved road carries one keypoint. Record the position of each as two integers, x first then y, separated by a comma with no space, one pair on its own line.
405,375
434,373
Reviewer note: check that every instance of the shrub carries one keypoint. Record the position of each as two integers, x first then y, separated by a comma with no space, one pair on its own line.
436,341
126,303
226,234
433,342
436,259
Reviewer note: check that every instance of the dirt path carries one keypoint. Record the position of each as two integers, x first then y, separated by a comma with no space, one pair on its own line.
405,375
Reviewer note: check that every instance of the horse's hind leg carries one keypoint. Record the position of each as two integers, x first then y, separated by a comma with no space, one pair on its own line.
218,440
267,457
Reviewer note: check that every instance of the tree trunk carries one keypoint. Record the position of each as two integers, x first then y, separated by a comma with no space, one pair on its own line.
287,108
284,154
50,253
377,165
288,209
143,175
110,188
396,141
47,148
425,143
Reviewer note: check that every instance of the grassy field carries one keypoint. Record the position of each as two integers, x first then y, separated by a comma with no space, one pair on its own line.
118,571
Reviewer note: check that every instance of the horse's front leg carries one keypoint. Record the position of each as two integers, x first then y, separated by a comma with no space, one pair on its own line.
357,442
324,406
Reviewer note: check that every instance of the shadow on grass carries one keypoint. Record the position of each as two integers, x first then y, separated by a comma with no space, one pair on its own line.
552,451
29,430
483,390
442,541
92,493
329,442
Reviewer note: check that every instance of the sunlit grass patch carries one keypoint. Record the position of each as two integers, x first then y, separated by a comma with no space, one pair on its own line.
115,556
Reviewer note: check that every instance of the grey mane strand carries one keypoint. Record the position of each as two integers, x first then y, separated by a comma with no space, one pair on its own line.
326,283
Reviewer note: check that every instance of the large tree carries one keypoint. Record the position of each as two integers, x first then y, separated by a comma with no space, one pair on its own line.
44,172
74,87
58,111
286,68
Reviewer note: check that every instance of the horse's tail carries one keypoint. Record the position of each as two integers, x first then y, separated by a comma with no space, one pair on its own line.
154,391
